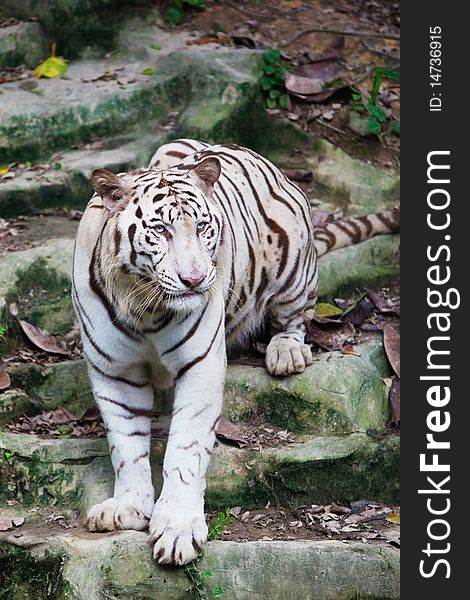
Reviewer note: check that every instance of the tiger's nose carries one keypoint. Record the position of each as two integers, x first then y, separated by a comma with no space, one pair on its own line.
192,282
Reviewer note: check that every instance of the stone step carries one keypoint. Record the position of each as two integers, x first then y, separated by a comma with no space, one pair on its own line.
336,394
77,473
214,92
23,43
78,565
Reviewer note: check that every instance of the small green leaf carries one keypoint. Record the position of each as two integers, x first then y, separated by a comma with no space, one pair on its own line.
155,46
374,126
218,592
266,83
8,454
274,94
377,112
269,69
207,574
149,71
38,90
283,101
271,103
396,127
57,166
174,14
195,3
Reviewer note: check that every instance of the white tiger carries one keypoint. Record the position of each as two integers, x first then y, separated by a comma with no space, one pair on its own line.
172,264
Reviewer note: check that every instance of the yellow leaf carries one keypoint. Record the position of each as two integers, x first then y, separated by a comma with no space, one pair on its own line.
3,170
393,518
51,67
323,309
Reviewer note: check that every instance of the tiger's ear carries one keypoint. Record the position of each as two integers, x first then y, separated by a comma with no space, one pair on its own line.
114,190
207,173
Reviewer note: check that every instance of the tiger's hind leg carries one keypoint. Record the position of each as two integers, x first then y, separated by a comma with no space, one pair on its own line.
287,353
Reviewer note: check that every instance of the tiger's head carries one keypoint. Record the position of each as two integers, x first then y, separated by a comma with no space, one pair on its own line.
166,230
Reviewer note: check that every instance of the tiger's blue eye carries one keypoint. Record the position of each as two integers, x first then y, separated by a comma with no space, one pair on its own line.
159,228
200,226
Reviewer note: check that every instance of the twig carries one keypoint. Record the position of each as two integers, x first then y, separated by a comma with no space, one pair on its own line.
389,36
369,72
374,50
325,124
256,15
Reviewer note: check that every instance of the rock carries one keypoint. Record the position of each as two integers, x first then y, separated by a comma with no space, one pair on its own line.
119,565
355,186
13,404
37,280
370,264
78,27
77,473
337,394
23,43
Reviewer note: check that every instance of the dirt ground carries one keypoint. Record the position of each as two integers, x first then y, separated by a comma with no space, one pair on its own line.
371,40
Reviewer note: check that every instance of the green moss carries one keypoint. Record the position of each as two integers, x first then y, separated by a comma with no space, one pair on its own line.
33,481
371,471
23,577
42,297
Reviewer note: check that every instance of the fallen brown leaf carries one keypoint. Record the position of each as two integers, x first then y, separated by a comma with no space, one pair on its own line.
5,380
298,174
229,432
41,339
370,514
328,333
392,347
394,399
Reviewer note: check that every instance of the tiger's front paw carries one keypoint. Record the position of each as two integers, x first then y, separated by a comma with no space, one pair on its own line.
113,514
285,356
178,535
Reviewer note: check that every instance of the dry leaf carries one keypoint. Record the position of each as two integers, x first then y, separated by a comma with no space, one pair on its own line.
5,380
393,518
394,399
298,174
41,339
370,514
229,432
392,347
329,334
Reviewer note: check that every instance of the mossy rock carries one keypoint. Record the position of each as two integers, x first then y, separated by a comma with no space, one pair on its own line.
22,43
42,296
25,577
77,26
13,404
337,394
120,565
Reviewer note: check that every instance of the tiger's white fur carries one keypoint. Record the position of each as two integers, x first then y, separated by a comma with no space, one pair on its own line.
172,264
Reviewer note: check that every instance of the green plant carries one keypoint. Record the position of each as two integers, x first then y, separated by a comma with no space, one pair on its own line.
192,572
3,330
272,78
378,122
175,11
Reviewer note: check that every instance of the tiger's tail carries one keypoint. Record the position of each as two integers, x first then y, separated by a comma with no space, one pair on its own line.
353,230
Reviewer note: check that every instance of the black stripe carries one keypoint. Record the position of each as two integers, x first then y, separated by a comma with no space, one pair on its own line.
198,359
189,334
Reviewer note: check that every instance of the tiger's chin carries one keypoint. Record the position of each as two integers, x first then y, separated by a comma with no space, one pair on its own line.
188,302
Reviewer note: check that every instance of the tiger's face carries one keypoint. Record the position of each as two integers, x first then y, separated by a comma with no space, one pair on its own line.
167,229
